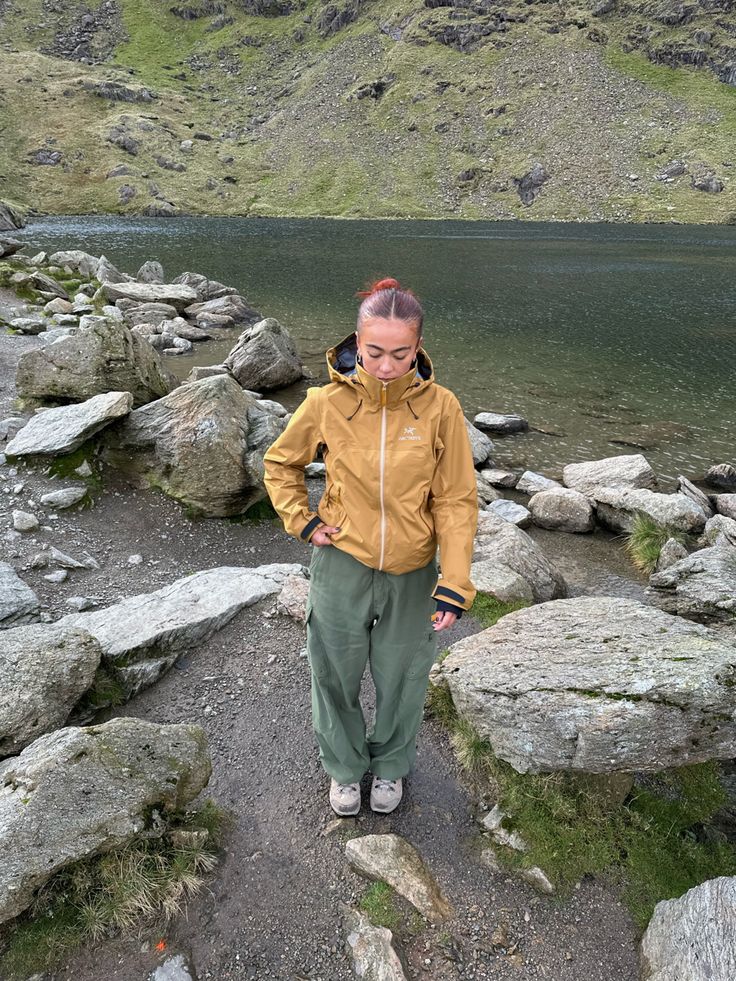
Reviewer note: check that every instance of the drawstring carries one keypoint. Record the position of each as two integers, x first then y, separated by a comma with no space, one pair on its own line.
412,410
356,411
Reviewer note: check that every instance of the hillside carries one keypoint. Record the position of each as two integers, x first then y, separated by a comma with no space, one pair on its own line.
612,110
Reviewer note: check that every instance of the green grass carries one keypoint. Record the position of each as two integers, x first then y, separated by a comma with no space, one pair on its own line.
652,844
156,38
151,879
106,692
488,610
644,542
379,905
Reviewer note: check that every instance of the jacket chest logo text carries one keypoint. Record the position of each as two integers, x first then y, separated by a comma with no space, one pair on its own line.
409,433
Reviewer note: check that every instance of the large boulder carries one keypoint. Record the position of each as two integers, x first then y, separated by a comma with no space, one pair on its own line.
142,636
18,602
614,471
726,505
103,356
265,357
77,260
597,684
203,444
9,246
500,424
81,792
693,938
723,476
44,671
719,526
65,428
617,508
230,305
562,509
508,565
701,586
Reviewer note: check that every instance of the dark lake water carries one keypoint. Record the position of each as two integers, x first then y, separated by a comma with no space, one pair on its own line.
606,337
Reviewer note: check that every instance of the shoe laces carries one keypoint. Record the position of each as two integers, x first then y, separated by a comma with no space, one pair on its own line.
346,788
385,785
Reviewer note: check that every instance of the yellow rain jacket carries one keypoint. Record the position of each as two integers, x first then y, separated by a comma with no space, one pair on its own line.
400,478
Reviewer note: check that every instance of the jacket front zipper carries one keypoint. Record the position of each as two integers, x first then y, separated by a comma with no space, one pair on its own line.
381,471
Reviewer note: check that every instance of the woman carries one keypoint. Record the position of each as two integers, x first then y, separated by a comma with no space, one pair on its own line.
399,482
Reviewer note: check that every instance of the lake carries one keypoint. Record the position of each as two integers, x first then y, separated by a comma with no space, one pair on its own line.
609,339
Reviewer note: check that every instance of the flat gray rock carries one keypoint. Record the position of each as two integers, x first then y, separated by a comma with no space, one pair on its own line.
175,294
531,482
500,423
143,635
500,478
66,428
24,521
630,471
562,509
719,526
18,603
231,306
693,938
81,792
44,671
509,565
597,684
510,511
390,858
77,260
486,491
688,488
701,586
617,508
173,968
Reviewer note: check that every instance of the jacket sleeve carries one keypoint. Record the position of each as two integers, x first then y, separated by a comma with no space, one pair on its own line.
454,505
284,464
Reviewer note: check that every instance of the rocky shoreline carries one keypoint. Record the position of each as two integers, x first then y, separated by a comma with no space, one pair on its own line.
101,425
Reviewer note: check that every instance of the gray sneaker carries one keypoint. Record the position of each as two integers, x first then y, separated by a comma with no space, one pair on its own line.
385,795
345,798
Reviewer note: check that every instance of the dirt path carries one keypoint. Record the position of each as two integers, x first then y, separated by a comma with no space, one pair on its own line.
274,907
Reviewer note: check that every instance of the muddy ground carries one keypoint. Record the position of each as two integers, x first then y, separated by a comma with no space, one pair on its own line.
274,906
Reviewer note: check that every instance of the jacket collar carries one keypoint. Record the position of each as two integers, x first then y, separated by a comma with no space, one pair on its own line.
343,368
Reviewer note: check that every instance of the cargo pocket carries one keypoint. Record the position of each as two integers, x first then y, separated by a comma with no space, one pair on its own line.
316,657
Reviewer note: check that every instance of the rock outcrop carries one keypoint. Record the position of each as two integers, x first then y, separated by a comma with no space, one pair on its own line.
597,684
265,358
90,791
65,428
701,586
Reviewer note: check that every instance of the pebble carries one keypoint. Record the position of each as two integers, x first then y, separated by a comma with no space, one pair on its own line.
56,577
23,521
64,498
135,559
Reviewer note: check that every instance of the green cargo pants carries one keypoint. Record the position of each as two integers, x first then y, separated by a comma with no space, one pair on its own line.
357,616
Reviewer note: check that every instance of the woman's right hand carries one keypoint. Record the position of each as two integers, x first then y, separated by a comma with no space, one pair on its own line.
321,537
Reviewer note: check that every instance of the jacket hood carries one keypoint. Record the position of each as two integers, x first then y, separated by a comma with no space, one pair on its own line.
343,368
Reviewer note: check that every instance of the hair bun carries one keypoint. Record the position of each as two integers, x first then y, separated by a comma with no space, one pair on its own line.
379,285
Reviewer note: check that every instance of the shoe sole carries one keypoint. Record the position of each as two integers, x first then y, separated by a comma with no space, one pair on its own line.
343,814
385,810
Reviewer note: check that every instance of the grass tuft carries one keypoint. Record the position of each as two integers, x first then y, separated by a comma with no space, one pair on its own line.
644,542
379,905
650,836
488,610
154,876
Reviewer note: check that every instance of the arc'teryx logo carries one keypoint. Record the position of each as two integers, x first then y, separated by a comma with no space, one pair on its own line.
409,433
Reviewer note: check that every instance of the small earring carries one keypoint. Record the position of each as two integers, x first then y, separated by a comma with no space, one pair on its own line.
359,358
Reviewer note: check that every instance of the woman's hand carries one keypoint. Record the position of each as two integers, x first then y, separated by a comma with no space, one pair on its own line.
321,537
444,619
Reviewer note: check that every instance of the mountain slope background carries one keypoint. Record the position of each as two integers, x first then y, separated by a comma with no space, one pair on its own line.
599,110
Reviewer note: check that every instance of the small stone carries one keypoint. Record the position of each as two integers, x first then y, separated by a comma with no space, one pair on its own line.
65,498
135,559
57,577
539,880
23,521
81,603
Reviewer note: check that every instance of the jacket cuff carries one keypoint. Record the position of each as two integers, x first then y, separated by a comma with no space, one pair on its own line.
448,593
309,529
443,607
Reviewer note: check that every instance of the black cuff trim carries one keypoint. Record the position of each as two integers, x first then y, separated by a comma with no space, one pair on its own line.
443,607
444,591
308,529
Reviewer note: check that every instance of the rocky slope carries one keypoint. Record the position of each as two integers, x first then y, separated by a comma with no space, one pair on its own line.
605,109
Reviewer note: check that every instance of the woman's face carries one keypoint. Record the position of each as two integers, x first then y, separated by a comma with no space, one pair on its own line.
387,346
